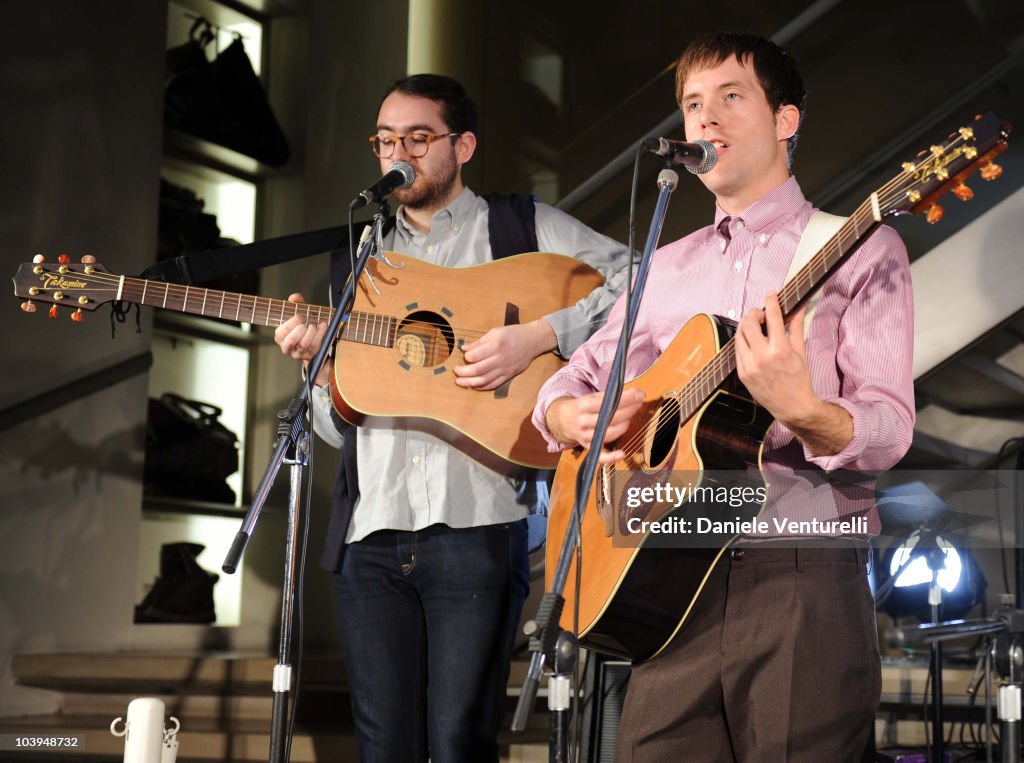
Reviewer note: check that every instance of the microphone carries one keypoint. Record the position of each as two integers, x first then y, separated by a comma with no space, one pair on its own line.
399,175
698,157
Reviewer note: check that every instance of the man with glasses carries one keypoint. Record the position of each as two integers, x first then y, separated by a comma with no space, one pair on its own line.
428,547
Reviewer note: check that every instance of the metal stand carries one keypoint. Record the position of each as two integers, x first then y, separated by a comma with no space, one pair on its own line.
928,548
282,679
545,630
292,448
936,562
560,697
1007,624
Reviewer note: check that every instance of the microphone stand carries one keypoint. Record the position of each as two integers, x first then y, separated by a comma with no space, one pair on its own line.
549,643
292,448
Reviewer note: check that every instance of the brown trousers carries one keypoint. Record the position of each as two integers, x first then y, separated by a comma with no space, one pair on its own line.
778,662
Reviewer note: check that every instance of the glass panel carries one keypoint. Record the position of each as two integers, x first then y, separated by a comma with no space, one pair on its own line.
181,16
215,534
230,199
207,371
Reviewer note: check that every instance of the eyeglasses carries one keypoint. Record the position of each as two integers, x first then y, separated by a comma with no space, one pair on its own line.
415,144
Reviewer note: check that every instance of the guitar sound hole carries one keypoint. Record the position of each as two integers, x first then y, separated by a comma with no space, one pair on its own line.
424,339
661,436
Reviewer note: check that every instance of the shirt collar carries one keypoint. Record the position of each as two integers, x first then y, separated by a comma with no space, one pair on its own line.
444,219
779,203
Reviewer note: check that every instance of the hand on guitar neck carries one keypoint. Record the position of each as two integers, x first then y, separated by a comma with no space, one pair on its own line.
571,420
503,353
300,340
771,361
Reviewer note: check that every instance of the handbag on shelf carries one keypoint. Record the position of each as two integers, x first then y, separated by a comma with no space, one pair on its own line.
189,452
222,100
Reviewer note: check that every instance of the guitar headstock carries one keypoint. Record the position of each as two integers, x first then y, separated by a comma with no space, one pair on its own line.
943,168
79,286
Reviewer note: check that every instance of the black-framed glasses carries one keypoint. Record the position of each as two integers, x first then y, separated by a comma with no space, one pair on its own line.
415,144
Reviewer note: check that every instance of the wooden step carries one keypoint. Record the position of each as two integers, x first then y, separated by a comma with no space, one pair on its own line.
236,740
231,740
216,673
223,702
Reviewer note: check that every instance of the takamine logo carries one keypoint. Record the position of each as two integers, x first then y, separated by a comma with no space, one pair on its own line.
51,281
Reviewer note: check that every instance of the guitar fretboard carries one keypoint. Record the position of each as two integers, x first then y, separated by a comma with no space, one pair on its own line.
363,327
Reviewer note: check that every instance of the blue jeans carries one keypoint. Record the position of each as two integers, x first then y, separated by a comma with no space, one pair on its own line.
427,624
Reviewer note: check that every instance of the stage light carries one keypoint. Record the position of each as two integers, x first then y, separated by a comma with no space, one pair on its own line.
910,570
920,523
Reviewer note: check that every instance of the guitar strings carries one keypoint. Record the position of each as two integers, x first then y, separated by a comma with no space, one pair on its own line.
255,306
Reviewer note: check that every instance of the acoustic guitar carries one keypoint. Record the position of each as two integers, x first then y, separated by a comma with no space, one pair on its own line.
395,352
698,421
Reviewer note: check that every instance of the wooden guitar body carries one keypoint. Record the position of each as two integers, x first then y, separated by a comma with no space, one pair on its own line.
635,596
403,370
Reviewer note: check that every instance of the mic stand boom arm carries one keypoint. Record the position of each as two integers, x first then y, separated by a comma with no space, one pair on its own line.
545,629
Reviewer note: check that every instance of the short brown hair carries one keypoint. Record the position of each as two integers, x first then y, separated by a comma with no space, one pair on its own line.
775,69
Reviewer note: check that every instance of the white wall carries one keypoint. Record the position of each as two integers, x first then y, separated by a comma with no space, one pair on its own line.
80,144
80,147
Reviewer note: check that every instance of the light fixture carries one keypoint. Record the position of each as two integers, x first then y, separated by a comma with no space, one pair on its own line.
924,546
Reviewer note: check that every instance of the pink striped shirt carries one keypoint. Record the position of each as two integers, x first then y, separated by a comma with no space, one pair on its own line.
859,349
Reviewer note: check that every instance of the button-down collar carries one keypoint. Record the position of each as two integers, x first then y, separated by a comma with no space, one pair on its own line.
764,216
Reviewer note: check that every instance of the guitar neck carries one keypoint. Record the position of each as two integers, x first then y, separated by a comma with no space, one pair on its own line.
363,327
792,295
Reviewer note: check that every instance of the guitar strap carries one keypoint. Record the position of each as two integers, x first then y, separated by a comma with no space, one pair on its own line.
820,228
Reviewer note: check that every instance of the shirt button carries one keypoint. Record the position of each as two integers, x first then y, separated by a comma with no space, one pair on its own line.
763,238
721,245
431,248
738,264
740,225
415,459
736,554
732,313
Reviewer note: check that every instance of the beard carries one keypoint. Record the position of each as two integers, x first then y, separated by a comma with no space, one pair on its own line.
430,192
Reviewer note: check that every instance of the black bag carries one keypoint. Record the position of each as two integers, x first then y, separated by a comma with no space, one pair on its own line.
182,592
189,453
221,101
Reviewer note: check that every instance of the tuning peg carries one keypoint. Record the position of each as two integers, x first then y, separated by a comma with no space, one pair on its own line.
38,258
63,258
991,171
28,306
88,259
53,311
935,213
963,192
78,316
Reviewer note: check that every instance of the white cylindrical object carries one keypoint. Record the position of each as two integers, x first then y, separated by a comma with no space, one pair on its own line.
145,727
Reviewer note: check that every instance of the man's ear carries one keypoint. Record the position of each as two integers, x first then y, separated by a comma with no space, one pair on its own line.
465,147
787,120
